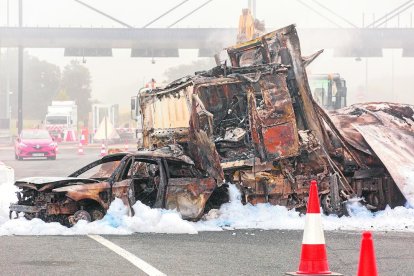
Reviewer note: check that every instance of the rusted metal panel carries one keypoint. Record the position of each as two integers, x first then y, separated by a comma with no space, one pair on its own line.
82,192
396,151
189,195
280,141
165,117
68,208
201,148
24,208
273,125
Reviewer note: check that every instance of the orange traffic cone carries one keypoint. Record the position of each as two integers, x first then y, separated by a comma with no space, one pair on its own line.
126,146
82,139
80,149
313,259
103,150
367,263
70,136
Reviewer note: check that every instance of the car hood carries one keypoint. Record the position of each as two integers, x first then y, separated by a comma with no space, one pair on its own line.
37,141
45,183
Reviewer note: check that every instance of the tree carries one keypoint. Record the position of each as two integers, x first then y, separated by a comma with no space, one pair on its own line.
76,81
62,96
41,81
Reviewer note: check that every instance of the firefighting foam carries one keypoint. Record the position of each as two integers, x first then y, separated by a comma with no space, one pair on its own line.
232,215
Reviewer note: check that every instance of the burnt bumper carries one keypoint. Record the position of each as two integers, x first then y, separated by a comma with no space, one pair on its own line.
24,208
17,208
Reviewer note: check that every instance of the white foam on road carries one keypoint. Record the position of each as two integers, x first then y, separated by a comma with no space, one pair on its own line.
232,215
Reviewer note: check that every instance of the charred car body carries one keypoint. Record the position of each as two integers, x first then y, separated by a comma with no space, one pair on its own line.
254,123
163,178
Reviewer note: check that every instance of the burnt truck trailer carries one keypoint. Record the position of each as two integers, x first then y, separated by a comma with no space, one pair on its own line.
252,121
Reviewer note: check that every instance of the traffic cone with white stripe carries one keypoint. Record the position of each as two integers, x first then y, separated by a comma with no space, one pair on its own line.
126,146
313,259
367,264
80,149
103,150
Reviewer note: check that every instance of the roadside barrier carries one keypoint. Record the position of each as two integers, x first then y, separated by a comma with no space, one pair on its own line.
313,259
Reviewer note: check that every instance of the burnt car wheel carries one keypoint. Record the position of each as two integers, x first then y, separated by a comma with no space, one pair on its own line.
96,213
81,215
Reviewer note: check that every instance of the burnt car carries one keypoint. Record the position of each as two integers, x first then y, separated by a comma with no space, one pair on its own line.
161,178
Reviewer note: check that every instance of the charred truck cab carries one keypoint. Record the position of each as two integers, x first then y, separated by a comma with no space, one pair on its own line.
252,121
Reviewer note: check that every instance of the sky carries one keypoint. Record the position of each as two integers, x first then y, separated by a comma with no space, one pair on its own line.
117,78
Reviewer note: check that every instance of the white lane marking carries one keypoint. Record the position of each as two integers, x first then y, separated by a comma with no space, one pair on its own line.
141,264
313,233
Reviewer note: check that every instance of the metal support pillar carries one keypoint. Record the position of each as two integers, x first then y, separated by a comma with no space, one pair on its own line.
252,7
20,77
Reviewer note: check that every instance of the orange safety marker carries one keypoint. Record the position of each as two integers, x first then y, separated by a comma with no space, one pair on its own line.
126,146
82,139
367,263
313,259
70,136
103,150
80,149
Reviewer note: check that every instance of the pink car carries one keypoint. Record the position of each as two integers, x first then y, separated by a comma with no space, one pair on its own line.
35,143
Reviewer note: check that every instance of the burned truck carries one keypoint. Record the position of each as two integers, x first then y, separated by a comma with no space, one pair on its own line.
252,121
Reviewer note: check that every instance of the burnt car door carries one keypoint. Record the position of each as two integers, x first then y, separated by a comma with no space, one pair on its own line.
143,179
122,186
103,171
187,190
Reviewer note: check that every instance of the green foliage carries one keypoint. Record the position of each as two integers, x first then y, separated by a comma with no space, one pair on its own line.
62,96
76,81
41,81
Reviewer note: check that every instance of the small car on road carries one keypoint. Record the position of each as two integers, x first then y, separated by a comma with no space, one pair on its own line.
34,143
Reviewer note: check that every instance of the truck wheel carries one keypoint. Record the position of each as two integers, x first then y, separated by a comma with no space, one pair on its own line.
327,204
329,209
16,157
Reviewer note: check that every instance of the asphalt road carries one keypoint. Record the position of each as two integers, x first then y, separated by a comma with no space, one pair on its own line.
241,252
67,161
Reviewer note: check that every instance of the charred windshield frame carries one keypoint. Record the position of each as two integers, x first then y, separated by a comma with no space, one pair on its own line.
106,159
